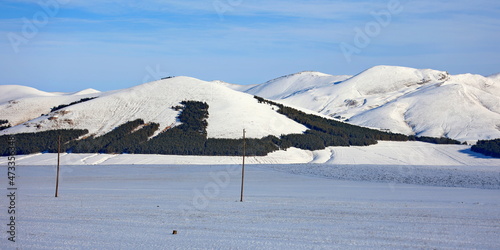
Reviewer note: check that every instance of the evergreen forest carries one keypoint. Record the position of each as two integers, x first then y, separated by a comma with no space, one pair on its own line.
488,147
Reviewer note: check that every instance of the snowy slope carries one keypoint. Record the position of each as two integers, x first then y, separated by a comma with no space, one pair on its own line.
405,100
294,84
242,88
19,104
495,76
466,107
12,92
230,111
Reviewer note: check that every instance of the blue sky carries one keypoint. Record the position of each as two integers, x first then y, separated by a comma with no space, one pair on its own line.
112,44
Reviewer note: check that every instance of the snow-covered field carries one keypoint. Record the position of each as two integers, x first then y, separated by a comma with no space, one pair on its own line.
138,207
390,195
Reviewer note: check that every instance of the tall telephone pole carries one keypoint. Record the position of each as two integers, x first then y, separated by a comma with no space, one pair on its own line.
243,167
58,163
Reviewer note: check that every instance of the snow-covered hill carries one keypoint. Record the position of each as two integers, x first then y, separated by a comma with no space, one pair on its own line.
19,104
287,86
230,111
424,102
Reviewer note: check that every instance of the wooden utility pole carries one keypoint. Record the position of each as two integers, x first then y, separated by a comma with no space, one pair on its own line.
243,167
58,163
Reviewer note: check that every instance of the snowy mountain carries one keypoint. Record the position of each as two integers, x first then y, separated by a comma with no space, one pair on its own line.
287,86
423,102
230,111
420,102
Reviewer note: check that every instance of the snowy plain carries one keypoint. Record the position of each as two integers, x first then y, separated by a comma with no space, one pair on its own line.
328,199
138,207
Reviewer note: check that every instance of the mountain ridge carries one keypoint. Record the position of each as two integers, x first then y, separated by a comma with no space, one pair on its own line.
421,102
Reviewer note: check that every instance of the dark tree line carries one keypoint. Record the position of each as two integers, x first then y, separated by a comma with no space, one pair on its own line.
434,140
130,142
30,143
234,147
119,140
73,103
325,132
488,147
174,141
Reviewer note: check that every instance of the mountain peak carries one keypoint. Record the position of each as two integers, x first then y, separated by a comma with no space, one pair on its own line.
292,84
86,92
385,79
12,92
299,74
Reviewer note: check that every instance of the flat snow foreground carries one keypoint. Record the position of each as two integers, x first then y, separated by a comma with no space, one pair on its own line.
139,207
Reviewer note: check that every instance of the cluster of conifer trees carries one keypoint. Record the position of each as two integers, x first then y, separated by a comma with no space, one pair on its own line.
190,137
4,124
29,143
122,139
488,147
325,132
73,103
433,140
